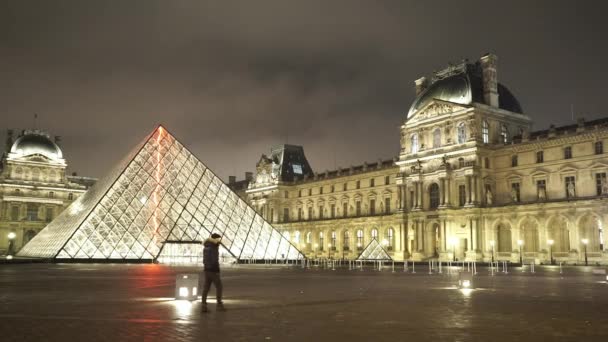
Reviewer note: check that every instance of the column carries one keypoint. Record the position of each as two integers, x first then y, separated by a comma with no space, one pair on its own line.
442,191
473,189
448,192
445,237
420,195
468,190
474,235
400,196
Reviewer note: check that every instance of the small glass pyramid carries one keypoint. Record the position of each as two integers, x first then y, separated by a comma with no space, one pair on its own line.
374,251
160,192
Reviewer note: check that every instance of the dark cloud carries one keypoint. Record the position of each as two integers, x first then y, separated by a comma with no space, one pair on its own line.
232,78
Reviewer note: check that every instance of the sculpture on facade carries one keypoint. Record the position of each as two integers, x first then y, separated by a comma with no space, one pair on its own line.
514,195
604,187
542,194
489,196
571,190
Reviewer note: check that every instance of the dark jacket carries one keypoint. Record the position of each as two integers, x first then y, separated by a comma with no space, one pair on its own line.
211,255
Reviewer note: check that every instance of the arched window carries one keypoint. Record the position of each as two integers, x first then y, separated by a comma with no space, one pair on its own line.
504,133
414,148
437,138
485,131
296,237
360,239
434,195
374,234
462,134
333,240
308,237
390,238
346,240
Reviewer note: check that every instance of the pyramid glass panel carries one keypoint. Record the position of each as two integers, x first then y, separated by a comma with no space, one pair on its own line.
374,251
159,193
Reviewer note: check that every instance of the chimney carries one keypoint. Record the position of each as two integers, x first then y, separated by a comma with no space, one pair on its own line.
421,85
490,80
249,176
231,179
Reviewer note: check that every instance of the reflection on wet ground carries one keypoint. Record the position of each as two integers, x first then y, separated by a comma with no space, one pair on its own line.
92,302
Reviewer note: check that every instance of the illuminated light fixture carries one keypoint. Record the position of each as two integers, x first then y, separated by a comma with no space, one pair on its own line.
12,235
465,280
9,257
186,286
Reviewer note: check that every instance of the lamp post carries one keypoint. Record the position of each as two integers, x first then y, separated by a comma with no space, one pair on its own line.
329,252
520,243
11,240
492,243
550,242
585,242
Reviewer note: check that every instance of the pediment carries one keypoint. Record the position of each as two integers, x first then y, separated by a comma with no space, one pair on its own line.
598,165
567,169
437,107
540,172
514,175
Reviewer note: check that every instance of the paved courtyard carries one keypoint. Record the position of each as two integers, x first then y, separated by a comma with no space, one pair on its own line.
99,302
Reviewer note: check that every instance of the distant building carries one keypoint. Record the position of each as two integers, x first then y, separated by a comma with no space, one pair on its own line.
34,188
472,182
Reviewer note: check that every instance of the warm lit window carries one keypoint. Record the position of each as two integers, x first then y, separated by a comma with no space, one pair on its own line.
360,239
390,237
485,131
374,234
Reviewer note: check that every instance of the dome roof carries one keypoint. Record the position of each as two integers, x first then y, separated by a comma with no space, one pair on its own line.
464,88
33,142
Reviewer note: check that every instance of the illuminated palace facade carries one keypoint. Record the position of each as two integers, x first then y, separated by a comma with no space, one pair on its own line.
34,187
472,182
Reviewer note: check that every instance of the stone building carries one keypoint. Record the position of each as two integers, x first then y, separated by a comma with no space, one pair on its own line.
34,187
472,182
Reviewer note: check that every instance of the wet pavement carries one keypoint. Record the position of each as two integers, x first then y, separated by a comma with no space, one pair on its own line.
99,302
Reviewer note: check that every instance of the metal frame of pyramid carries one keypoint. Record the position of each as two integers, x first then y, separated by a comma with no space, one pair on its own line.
374,251
160,192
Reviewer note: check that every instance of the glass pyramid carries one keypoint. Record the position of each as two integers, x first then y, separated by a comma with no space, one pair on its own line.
374,251
159,193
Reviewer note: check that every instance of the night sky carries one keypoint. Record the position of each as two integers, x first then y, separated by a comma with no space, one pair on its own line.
232,78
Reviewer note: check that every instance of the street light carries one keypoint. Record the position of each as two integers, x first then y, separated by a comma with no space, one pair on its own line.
492,242
585,242
11,238
329,246
520,243
550,242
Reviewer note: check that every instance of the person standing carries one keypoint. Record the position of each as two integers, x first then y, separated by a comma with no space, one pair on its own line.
212,271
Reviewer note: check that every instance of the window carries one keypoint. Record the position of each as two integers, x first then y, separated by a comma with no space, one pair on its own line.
515,192
387,180
514,161
374,234
344,209
387,205
49,214
372,207
346,240
360,239
358,208
300,214
309,237
286,194
462,134
390,238
285,214
310,192
372,183
570,187
299,193
568,152
462,195
460,162
332,188
600,181
51,194
32,212
487,162
345,187
504,133
333,240
540,157
437,138
333,211
414,147
485,132
321,241
541,189
15,213
321,190
358,184
599,147
321,212
434,195
310,213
